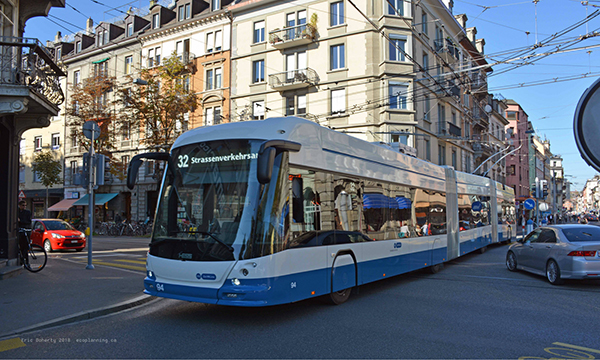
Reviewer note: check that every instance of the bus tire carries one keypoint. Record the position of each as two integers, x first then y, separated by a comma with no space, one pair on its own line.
434,269
339,297
483,249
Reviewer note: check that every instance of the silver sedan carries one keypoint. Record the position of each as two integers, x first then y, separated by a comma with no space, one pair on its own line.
558,252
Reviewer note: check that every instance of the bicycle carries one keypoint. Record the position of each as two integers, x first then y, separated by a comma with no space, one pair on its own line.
36,255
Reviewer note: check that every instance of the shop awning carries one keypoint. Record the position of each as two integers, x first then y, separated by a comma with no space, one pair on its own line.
100,61
101,199
62,205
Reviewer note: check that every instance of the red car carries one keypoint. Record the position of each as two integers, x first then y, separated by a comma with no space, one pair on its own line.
55,234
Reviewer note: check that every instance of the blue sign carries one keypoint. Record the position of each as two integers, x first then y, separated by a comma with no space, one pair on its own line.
529,204
476,206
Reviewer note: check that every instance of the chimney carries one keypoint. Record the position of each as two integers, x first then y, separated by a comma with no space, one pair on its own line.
58,37
152,3
462,20
479,44
89,25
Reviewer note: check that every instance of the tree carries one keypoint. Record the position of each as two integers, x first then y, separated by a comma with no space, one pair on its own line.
48,171
159,107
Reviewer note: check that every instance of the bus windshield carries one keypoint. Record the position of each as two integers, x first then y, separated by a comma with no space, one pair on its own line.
210,201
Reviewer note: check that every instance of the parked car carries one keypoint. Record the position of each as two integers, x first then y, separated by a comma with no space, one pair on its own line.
591,217
558,252
56,234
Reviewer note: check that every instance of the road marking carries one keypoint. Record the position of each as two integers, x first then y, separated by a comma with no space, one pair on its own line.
10,344
577,347
123,266
143,262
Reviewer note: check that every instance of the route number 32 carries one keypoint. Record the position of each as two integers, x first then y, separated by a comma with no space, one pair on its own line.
182,161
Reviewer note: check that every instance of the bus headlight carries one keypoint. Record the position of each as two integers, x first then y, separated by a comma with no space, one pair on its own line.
236,281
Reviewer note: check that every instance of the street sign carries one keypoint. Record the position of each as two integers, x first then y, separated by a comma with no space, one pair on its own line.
476,206
21,195
529,204
585,125
90,127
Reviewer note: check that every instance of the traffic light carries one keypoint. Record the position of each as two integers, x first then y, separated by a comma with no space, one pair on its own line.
544,188
533,191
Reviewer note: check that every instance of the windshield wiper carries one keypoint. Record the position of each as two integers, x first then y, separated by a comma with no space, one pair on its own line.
229,247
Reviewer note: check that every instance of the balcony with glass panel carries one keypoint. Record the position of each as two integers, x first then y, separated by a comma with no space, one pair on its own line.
447,50
293,79
292,36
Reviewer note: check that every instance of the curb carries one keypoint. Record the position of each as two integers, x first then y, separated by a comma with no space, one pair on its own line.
84,315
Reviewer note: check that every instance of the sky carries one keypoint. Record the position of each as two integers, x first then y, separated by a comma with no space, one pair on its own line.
540,87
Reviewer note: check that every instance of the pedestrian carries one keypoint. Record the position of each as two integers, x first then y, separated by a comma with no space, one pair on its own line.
118,218
24,222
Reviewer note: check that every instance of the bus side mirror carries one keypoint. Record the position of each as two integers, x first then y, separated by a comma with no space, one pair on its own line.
136,162
265,165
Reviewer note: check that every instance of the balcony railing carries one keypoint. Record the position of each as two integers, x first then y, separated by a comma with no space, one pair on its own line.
480,117
447,50
292,36
33,67
293,79
454,130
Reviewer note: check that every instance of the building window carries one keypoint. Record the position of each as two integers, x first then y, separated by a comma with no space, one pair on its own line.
338,102
427,150
58,53
37,143
441,119
511,115
398,96
155,21
130,29
425,61
154,57
213,78
337,13
337,57
181,13
296,22
441,155
128,64
395,7
258,110
454,159
76,78
188,11
259,32
74,169
295,105
258,71
21,174
36,177
55,141
214,41
182,49
426,109
397,47
125,159
216,4
78,47
101,69
424,23
125,132
212,116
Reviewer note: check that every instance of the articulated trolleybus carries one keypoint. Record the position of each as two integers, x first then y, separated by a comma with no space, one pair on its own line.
269,212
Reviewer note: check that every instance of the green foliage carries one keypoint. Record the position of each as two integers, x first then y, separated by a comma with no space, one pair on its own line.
47,168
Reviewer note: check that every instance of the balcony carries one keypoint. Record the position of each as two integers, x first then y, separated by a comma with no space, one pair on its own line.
292,36
480,117
293,79
447,50
448,88
454,130
26,62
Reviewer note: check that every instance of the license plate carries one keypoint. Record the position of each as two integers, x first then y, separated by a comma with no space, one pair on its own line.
74,241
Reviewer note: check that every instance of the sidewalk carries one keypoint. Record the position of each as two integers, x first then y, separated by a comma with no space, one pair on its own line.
65,292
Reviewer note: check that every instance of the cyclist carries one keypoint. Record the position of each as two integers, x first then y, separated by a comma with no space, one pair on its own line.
24,222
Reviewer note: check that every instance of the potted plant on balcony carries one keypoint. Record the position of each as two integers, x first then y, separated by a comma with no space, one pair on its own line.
311,28
274,37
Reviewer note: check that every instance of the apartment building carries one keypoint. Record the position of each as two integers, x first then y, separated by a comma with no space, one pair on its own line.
517,164
29,98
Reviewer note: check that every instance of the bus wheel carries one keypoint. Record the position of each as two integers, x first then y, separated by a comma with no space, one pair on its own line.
339,297
483,249
436,268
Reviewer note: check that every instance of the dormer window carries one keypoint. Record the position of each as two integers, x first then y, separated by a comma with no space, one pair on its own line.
184,12
130,29
78,47
155,21
216,4
58,53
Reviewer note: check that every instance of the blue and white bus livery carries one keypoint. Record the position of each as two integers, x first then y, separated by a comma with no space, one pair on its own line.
270,212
